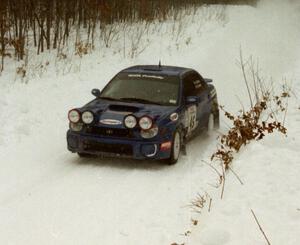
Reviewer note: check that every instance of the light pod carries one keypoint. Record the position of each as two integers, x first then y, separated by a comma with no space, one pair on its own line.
145,122
74,116
130,121
150,133
87,117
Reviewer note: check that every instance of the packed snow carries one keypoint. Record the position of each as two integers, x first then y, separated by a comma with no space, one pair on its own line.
50,196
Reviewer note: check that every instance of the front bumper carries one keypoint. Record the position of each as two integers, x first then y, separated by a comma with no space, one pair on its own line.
116,147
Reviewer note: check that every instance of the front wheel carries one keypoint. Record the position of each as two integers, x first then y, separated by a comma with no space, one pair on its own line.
176,148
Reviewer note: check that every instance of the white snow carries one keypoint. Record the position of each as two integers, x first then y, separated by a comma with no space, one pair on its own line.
50,196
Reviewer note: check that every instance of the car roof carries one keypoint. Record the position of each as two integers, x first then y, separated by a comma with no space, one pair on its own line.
158,70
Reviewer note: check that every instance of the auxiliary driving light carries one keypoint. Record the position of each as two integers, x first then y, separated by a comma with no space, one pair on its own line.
130,121
87,117
74,116
145,122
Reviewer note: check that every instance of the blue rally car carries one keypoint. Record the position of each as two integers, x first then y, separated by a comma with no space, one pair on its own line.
144,112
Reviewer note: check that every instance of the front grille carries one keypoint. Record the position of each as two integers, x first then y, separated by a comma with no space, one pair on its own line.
110,132
121,149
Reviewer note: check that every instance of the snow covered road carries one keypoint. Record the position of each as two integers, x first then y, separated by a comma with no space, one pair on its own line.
50,196
53,198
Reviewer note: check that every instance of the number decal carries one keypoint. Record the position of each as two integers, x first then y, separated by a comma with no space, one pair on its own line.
192,122
191,119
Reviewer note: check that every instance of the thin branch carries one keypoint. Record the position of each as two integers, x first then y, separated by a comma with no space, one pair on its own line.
223,181
254,76
287,102
261,229
209,206
210,165
242,63
236,175
238,98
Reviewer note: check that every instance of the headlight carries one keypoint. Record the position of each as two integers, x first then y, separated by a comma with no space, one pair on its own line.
74,116
76,126
87,117
174,117
150,133
130,121
145,123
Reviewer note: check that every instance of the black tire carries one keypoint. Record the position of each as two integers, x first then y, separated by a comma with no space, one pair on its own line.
215,115
216,119
176,148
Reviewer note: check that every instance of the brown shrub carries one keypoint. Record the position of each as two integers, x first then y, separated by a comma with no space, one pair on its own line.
261,119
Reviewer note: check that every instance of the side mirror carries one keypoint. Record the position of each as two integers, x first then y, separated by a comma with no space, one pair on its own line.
192,99
96,92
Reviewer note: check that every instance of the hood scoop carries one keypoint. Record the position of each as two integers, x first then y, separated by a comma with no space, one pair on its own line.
123,108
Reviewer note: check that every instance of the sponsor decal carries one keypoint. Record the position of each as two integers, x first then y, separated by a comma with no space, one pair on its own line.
146,76
191,119
134,75
110,122
197,84
153,76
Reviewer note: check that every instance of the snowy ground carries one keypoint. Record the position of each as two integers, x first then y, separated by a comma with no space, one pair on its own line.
49,196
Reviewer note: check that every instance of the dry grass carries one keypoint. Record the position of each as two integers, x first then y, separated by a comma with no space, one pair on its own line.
82,48
261,119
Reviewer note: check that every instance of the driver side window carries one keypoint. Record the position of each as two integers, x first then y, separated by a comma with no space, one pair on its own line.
193,85
189,88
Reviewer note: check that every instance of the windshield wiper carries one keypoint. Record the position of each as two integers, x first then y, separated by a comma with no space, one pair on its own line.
140,100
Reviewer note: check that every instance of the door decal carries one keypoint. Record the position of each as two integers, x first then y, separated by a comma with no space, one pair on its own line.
191,118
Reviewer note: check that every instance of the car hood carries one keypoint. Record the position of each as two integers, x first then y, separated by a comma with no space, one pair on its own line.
113,112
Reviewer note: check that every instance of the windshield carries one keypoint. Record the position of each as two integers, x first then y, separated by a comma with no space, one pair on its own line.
143,88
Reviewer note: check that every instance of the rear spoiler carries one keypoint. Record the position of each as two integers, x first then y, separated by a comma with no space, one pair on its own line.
208,80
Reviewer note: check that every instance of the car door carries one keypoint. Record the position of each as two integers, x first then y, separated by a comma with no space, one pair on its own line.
192,116
204,99
195,110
